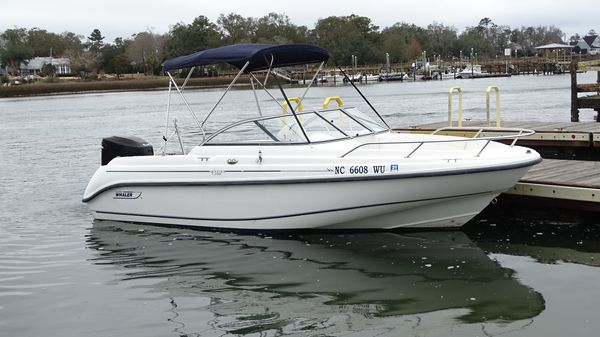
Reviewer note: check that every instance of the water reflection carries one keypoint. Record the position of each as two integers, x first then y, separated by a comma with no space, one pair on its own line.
548,235
299,282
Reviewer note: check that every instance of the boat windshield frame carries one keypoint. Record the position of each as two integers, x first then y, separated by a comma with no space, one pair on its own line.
366,124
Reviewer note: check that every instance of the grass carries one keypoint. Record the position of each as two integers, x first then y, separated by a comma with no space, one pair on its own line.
65,87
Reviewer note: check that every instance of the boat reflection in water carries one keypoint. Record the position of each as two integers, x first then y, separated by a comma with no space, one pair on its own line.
316,281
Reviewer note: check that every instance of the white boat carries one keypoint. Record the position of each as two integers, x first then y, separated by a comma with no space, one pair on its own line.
393,76
471,71
331,77
372,78
327,167
445,74
356,78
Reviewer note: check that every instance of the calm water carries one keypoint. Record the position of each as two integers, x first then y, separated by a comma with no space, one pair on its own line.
509,273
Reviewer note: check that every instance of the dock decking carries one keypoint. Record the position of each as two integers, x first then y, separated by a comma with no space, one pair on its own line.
563,183
560,133
556,140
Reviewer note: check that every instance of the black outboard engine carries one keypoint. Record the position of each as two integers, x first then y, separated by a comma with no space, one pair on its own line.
124,147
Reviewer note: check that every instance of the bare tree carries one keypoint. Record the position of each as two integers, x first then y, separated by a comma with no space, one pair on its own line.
146,51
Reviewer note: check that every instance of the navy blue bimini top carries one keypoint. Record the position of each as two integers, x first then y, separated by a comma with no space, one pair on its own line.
259,56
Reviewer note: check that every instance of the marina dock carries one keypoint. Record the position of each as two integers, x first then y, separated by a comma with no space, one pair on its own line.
564,183
567,140
569,176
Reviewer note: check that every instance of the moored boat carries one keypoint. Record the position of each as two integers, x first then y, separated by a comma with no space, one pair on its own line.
393,76
327,167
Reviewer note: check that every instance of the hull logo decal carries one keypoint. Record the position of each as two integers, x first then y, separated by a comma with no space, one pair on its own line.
127,195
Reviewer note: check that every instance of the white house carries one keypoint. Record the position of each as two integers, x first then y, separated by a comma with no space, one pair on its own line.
35,65
590,43
595,46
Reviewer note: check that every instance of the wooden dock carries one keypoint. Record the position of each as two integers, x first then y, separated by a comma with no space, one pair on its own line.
564,182
556,140
560,134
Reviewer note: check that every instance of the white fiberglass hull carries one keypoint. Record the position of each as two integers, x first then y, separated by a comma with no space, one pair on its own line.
313,198
451,211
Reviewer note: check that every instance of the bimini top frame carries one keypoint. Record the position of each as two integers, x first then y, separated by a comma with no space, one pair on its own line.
248,58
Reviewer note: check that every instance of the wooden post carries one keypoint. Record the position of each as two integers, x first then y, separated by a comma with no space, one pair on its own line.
598,92
574,105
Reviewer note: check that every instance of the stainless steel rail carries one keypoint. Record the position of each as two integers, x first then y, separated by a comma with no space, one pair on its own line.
519,133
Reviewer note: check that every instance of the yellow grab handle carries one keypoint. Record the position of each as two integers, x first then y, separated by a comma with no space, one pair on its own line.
450,94
487,104
337,99
292,99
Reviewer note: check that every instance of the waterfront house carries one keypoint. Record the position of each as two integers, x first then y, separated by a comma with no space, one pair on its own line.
590,44
34,66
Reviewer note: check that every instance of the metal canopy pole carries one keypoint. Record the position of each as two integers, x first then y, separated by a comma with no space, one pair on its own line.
312,81
290,104
363,96
167,119
186,104
225,93
268,71
255,97
187,78
266,90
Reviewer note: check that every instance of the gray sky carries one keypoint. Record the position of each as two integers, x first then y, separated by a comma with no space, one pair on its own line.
123,18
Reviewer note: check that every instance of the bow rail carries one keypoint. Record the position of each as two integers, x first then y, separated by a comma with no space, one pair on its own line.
518,133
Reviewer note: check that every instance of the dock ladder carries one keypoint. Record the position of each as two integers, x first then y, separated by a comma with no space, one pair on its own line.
450,94
487,105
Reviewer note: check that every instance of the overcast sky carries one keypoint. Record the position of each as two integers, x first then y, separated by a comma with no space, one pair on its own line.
122,18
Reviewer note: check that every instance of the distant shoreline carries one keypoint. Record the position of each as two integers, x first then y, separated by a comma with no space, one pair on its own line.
80,87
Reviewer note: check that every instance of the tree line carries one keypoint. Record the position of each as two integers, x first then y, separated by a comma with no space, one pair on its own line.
344,37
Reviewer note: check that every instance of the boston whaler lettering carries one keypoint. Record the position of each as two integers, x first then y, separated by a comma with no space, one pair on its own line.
330,167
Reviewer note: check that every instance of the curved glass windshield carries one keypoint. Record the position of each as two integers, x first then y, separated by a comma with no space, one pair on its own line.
318,126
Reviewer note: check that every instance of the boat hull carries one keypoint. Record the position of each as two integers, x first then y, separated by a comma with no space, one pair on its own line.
427,201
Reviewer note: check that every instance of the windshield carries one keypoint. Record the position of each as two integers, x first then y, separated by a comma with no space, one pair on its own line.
321,125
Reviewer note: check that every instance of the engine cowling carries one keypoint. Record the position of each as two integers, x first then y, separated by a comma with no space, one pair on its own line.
116,146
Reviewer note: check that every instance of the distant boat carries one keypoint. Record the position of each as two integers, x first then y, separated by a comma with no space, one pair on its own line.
471,71
474,71
393,76
331,78
371,78
354,78
449,73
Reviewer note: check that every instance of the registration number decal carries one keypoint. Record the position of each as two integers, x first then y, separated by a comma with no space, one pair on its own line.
359,169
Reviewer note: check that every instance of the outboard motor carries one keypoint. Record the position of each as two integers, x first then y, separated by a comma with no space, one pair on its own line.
124,147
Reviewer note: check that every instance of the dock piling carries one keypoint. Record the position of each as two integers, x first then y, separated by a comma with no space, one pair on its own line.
585,102
574,107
